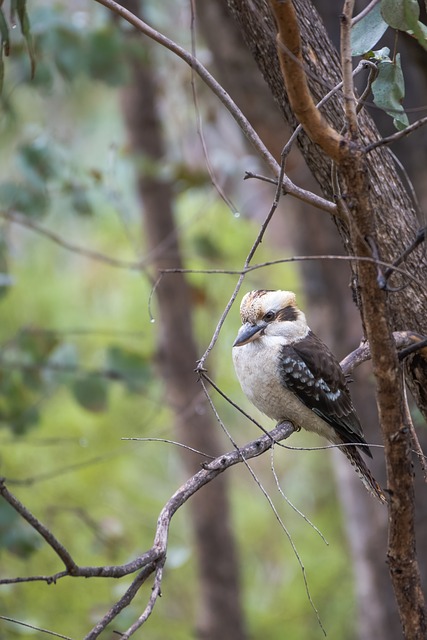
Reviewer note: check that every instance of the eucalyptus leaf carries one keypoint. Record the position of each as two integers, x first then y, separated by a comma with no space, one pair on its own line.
404,15
367,32
132,367
21,9
389,90
394,13
91,392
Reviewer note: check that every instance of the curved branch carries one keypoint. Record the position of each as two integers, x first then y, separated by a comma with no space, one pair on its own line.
300,98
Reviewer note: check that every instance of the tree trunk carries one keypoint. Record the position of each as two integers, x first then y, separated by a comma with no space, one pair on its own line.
220,612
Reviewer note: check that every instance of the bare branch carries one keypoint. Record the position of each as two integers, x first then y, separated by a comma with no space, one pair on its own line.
397,136
364,12
416,443
154,559
258,240
155,593
25,221
347,69
124,601
292,66
270,263
363,352
217,89
34,628
59,549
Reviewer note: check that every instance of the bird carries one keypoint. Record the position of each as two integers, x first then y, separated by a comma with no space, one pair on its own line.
289,374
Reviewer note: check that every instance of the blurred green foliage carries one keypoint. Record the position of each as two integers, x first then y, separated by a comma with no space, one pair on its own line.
77,359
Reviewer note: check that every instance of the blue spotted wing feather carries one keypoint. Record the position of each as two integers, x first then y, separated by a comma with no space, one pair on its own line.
311,372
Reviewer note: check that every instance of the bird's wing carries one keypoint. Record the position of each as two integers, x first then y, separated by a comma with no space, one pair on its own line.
311,372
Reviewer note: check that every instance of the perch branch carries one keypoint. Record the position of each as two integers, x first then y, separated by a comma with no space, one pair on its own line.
396,136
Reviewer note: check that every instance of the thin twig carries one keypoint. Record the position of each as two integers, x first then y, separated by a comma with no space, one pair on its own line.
25,221
258,240
121,604
34,628
347,69
176,444
53,542
415,441
364,12
419,238
271,263
199,122
396,136
289,426
155,593
219,91
285,497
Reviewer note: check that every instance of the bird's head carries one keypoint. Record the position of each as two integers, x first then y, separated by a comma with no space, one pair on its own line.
271,314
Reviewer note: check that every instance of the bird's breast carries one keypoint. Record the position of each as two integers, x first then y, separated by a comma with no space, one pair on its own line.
258,371
259,376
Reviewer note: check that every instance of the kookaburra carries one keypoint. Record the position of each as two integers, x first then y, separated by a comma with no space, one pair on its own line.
289,374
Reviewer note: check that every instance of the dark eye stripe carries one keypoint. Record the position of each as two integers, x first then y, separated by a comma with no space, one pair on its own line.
288,314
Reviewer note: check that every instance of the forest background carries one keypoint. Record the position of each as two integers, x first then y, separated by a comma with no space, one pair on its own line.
91,172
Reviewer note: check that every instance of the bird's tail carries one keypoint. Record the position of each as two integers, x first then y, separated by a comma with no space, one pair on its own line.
364,474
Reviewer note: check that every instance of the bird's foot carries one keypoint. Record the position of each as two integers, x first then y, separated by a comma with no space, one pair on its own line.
284,422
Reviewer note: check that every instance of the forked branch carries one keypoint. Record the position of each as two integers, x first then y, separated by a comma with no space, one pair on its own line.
153,560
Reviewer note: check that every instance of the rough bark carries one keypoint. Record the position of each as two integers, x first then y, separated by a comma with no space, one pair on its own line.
220,613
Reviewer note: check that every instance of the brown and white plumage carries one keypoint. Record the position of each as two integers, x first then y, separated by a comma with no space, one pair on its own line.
288,373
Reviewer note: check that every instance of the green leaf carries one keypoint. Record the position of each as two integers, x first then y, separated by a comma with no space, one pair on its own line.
366,33
4,45
404,15
389,90
38,161
393,12
79,196
18,401
104,57
38,344
65,46
64,361
132,367
6,280
15,534
21,9
91,392
24,197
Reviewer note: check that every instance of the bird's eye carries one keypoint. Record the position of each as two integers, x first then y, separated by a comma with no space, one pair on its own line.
269,316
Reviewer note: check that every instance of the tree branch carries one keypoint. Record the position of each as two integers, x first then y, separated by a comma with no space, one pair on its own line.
288,186
292,66
347,69
152,560
25,221
396,136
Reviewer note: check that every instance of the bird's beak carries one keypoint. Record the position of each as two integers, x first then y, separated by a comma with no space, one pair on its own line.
247,333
